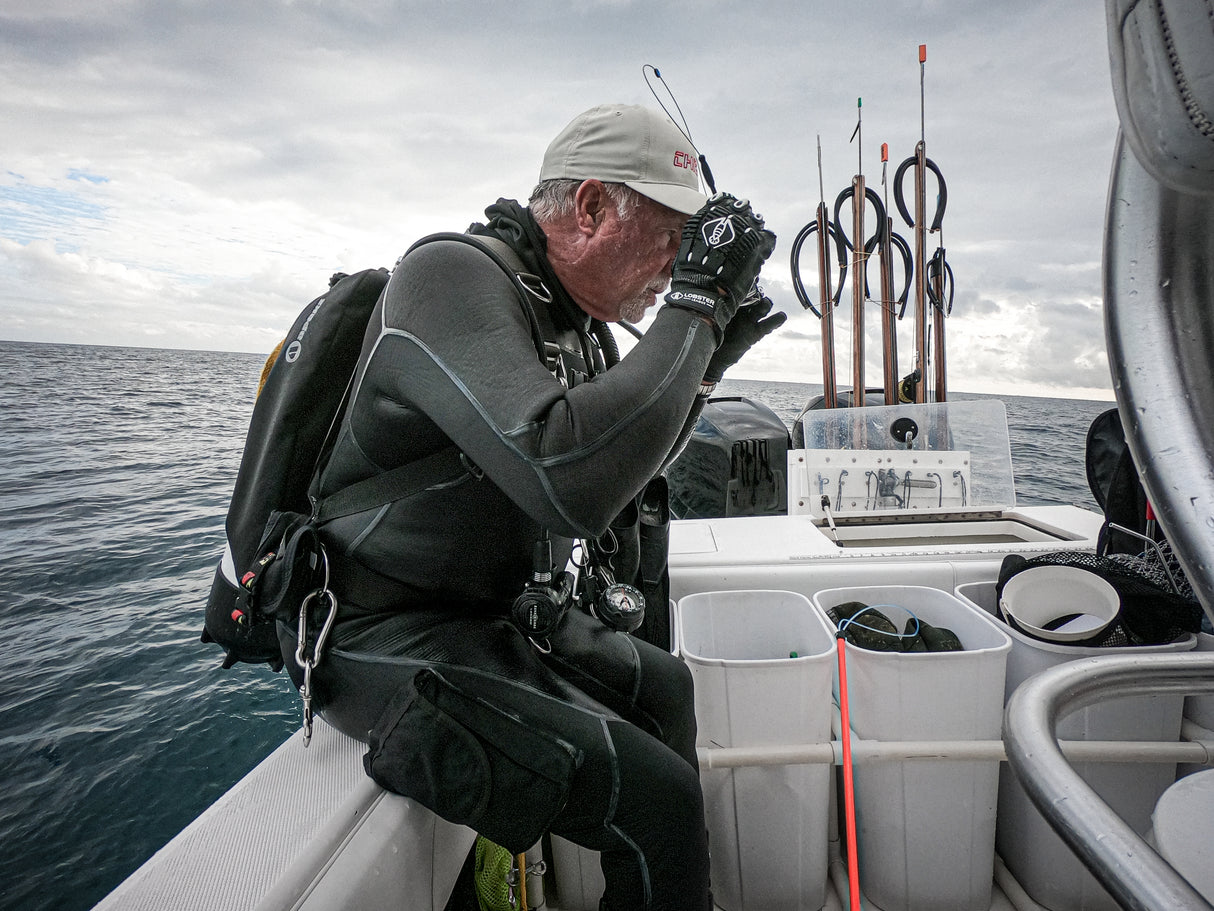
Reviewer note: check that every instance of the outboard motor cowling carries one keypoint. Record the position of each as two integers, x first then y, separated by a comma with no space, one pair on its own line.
735,463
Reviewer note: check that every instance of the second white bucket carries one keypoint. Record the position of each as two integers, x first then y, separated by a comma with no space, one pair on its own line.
926,826
762,663
1038,857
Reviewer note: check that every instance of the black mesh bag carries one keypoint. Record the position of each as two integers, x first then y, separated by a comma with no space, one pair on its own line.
1155,609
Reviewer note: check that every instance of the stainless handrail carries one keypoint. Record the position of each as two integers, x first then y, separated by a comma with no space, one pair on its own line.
1130,869
1159,323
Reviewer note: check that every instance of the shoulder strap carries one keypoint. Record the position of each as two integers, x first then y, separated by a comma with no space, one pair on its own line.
389,486
528,285
449,463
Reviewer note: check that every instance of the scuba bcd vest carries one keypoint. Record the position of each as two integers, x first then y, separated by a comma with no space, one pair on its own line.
271,558
300,398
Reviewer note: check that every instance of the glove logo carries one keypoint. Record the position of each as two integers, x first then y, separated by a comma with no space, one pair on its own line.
718,232
703,300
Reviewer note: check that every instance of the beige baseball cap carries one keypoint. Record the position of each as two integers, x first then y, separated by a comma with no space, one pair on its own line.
632,145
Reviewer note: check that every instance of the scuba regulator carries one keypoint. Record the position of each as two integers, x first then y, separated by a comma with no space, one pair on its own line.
538,610
544,600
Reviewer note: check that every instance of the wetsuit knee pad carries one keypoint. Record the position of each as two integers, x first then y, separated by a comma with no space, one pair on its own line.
473,764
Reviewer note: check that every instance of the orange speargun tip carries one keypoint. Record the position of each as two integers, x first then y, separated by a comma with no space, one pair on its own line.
923,53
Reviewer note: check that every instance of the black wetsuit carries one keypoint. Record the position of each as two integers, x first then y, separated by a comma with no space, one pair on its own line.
428,581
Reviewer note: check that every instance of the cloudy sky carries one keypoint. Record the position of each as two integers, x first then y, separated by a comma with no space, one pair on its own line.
187,173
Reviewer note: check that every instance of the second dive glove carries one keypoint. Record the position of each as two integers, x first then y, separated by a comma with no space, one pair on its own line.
724,246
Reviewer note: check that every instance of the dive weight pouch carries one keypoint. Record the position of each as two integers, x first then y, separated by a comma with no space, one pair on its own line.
457,754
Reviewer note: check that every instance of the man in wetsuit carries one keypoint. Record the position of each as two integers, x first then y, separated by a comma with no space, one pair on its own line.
582,730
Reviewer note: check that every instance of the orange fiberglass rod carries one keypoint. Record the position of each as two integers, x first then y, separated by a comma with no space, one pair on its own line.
849,787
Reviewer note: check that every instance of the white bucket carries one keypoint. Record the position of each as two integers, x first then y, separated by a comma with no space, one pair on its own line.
1035,855
1183,829
1201,708
762,664
926,827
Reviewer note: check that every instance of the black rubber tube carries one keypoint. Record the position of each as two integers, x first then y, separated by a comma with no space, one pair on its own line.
896,241
795,264
871,195
941,196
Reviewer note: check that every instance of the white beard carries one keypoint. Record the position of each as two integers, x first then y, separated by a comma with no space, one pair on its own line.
634,310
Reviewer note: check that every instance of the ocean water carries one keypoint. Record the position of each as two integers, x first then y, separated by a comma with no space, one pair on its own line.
117,726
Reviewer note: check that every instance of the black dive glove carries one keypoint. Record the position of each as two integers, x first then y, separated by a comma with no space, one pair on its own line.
743,331
724,247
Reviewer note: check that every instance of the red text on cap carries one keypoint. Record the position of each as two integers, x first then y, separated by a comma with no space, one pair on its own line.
686,160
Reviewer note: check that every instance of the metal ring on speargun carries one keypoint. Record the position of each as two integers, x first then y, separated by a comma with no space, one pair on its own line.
941,195
795,263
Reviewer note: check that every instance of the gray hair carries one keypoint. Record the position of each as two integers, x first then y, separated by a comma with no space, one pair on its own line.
554,198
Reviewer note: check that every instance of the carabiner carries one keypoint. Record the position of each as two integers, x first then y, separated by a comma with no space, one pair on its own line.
301,658
308,663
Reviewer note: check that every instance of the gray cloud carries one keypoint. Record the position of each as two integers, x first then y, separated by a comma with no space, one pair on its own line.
192,172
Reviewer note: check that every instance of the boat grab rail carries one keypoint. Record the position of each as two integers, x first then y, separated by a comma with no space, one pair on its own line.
1124,863
1191,750
1196,746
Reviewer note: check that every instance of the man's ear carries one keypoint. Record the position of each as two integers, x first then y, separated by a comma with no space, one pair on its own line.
591,202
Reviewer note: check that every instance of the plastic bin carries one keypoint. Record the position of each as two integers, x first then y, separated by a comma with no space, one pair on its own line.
926,827
1035,855
767,825
1183,829
1201,708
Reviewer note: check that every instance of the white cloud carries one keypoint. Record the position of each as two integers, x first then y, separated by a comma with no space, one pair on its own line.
192,173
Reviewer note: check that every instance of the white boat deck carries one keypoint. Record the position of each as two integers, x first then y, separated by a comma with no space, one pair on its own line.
350,844
355,846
